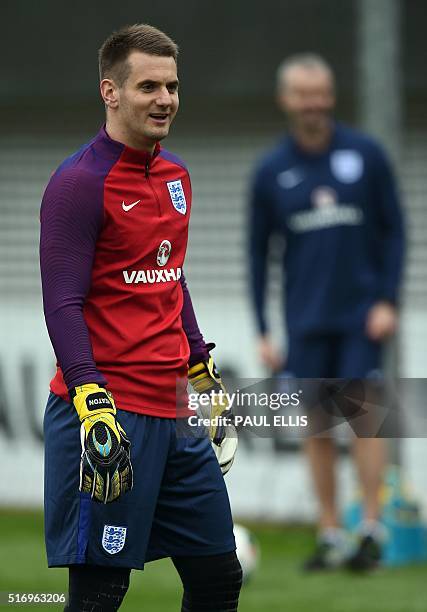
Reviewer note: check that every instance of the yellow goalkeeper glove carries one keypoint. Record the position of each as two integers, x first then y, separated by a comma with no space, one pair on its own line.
205,379
105,467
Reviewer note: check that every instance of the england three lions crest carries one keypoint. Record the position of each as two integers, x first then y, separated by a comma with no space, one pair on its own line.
177,195
113,538
346,165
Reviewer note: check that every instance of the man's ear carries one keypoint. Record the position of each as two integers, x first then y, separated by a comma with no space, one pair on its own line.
281,99
109,93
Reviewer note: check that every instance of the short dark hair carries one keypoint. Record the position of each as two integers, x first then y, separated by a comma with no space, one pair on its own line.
115,50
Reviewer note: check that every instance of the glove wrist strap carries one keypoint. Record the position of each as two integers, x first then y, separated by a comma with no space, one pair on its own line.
86,388
91,400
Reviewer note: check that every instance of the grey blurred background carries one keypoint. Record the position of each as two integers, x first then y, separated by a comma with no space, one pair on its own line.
50,105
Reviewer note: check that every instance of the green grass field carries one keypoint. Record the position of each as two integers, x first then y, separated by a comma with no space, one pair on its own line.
278,585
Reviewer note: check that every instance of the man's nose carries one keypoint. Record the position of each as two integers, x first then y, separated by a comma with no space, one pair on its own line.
164,98
315,100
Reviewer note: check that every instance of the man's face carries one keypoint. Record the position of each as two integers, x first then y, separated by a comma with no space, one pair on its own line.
147,102
307,97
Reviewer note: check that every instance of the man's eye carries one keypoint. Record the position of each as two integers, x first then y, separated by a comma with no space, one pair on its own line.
147,87
173,88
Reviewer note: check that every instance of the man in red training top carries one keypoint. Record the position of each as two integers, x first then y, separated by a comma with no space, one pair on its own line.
114,226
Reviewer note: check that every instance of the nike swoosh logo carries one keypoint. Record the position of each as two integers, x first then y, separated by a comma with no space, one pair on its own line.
129,206
290,178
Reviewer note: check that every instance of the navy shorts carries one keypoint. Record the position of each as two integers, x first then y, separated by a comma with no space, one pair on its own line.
178,506
347,355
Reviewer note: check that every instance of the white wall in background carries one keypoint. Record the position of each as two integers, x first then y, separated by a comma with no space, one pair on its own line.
263,484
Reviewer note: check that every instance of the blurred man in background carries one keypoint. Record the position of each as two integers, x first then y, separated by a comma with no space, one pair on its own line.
329,190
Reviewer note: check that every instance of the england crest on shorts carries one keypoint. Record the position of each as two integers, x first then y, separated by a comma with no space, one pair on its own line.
113,538
347,165
177,195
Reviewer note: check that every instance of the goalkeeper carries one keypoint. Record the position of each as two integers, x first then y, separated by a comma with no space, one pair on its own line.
123,486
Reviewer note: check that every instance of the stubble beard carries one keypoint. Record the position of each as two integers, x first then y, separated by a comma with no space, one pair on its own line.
156,135
142,133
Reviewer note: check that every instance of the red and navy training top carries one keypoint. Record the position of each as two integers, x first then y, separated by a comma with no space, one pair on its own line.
114,229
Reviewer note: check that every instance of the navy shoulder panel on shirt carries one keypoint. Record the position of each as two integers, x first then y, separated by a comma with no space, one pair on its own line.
372,150
97,156
276,154
74,159
83,173
274,159
77,186
72,202
171,157
352,137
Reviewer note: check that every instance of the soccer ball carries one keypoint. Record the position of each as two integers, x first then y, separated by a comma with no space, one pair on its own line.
247,550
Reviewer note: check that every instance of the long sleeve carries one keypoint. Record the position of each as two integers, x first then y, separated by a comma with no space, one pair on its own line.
391,241
71,217
198,348
260,230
